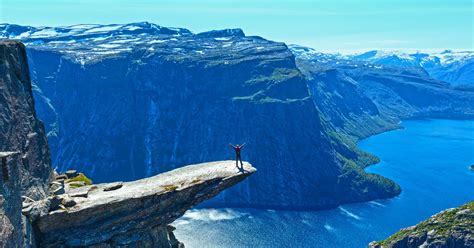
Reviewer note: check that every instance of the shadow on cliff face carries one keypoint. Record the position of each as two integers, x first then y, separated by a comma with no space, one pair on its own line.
161,109
26,166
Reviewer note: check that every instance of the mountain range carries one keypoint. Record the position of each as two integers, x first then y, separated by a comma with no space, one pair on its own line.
454,67
122,102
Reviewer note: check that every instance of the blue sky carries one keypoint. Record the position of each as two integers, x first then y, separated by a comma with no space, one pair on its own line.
326,25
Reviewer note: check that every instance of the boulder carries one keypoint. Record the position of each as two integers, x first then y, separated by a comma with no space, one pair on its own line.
71,173
59,191
61,177
67,201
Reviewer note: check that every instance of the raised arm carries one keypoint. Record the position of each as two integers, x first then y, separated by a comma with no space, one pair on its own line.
232,145
242,146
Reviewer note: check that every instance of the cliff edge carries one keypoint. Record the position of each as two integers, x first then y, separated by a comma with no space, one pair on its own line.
133,213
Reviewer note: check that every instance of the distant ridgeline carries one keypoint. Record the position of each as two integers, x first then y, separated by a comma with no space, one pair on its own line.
362,98
122,102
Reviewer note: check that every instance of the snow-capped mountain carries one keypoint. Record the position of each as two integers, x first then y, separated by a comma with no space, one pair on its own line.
401,58
83,32
455,67
86,43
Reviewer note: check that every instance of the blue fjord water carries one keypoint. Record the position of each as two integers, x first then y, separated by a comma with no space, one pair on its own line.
429,159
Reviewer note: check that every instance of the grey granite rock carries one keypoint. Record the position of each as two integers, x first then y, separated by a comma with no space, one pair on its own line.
24,150
137,213
20,130
71,173
113,186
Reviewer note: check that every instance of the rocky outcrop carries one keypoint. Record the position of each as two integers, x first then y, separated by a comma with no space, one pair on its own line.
11,230
451,228
24,151
21,131
132,214
140,99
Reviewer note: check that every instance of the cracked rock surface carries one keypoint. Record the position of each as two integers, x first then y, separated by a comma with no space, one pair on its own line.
135,212
24,150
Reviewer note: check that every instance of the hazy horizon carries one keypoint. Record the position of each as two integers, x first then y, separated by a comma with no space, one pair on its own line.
327,26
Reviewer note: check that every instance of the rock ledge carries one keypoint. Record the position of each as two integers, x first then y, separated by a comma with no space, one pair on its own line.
138,212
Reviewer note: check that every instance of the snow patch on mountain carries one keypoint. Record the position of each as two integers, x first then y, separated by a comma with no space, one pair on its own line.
455,67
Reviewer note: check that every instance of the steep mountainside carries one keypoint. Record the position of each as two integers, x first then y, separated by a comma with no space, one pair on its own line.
451,228
23,146
362,98
123,102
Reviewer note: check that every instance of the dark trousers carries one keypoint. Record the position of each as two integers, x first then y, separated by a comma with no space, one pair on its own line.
237,159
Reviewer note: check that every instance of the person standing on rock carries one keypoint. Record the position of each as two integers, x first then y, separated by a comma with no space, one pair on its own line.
237,149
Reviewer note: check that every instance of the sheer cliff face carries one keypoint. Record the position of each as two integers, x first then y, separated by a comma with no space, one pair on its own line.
29,169
147,112
122,107
343,103
21,131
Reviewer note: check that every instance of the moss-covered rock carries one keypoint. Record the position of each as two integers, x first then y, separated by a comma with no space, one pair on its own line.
451,228
79,178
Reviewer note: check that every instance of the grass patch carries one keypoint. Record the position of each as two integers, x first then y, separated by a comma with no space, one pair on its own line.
80,178
278,75
75,185
170,187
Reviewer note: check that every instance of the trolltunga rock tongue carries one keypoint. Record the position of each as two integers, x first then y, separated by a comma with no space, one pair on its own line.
125,214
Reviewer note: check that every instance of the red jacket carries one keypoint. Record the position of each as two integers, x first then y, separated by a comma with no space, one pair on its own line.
237,148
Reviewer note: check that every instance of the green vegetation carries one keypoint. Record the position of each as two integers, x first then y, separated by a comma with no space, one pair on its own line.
79,178
261,98
170,187
348,147
442,224
75,185
371,185
278,75
197,180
